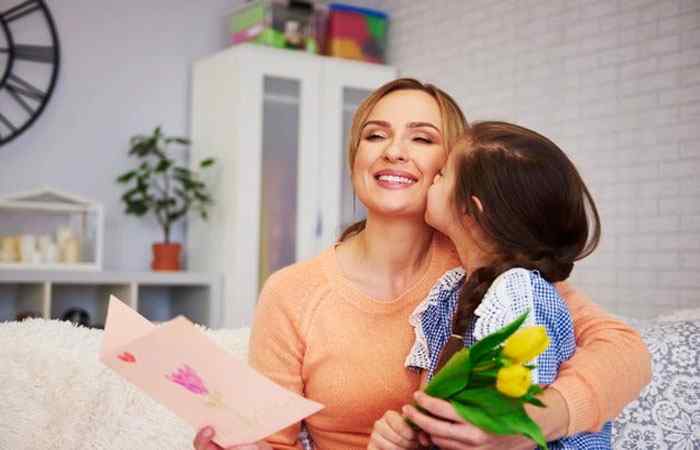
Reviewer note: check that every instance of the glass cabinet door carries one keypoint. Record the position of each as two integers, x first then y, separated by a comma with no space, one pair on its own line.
277,126
351,210
279,177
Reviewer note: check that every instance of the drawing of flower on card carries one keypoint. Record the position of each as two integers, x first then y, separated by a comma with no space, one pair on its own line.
190,380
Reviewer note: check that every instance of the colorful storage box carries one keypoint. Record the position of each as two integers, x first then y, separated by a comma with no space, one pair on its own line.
282,24
356,33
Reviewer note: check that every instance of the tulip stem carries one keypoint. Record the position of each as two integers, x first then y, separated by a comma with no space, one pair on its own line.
482,368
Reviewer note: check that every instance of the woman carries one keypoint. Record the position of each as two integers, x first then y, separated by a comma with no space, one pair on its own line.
335,328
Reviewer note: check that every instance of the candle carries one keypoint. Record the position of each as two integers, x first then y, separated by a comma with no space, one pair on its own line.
44,242
47,249
63,234
71,251
27,248
9,251
51,254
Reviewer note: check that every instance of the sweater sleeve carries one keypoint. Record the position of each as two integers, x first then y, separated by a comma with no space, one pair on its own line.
608,351
276,351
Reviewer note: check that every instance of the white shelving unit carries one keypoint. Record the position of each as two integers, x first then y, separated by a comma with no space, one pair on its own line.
43,212
276,121
158,296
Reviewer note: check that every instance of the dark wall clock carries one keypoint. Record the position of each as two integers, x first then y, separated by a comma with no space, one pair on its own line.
29,60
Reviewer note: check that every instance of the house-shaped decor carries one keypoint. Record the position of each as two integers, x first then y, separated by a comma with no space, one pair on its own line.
50,230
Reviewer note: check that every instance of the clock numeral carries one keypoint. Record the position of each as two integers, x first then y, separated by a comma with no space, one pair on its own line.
19,86
35,53
20,10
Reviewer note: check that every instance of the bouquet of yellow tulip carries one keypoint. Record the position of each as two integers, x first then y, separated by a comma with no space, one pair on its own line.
489,383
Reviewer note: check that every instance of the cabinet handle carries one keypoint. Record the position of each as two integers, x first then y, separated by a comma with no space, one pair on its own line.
319,225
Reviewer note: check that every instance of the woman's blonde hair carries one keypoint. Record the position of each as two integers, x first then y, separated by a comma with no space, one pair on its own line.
453,123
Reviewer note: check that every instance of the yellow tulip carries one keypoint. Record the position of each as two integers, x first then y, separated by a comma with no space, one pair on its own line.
526,344
513,381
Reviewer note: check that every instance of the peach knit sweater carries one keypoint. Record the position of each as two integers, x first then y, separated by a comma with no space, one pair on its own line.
317,334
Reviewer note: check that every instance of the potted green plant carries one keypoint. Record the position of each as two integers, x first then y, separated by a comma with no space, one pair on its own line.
160,186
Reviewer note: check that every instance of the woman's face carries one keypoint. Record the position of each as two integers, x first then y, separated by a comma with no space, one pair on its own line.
400,151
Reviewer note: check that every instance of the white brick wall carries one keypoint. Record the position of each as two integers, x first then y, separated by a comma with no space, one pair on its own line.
617,85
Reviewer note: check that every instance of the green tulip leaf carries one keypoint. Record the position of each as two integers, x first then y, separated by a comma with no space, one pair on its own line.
452,378
491,373
489,400
481,419
532,400
534,390
489,343
521,423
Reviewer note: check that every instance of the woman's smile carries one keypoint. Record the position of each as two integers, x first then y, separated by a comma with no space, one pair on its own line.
395,179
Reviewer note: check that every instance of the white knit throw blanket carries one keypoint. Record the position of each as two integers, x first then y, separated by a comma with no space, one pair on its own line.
56,394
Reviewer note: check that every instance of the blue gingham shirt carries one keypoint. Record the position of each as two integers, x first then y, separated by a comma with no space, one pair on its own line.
507,298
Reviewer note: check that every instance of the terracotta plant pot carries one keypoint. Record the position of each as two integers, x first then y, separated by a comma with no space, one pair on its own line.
166,256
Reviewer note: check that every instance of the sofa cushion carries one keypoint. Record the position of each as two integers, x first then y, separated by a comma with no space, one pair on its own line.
58,395
667,413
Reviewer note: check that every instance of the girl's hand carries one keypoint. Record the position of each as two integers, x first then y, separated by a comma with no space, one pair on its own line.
391,432
203,442
449,431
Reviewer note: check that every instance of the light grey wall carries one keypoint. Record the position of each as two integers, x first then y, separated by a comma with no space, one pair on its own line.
617,85
125,68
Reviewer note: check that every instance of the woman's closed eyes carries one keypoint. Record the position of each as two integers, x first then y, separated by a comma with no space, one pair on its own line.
375,137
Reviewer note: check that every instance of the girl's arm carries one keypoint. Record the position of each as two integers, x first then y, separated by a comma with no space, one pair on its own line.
609,369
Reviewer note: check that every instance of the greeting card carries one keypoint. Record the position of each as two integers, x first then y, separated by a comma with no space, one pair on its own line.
180,367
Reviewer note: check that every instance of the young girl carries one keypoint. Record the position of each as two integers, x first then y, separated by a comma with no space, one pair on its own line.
519,215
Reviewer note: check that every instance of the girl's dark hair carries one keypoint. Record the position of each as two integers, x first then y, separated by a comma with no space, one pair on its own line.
537,211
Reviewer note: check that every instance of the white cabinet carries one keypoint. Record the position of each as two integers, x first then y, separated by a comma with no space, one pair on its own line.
276,121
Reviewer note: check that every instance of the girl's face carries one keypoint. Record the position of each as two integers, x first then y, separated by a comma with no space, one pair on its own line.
400,151
452,220
440,212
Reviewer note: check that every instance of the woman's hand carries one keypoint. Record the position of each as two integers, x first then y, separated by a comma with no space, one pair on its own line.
449,431
391,432
203,442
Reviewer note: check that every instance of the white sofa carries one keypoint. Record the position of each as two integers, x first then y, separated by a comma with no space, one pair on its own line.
57,395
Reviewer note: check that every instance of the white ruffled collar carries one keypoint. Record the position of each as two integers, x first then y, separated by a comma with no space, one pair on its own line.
419,356
508,297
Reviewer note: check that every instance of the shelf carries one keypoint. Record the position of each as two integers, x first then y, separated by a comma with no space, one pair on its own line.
23,298
57,266
158,296
89,297
160,303
101,277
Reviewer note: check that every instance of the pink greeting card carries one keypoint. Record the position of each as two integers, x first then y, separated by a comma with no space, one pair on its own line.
180,367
